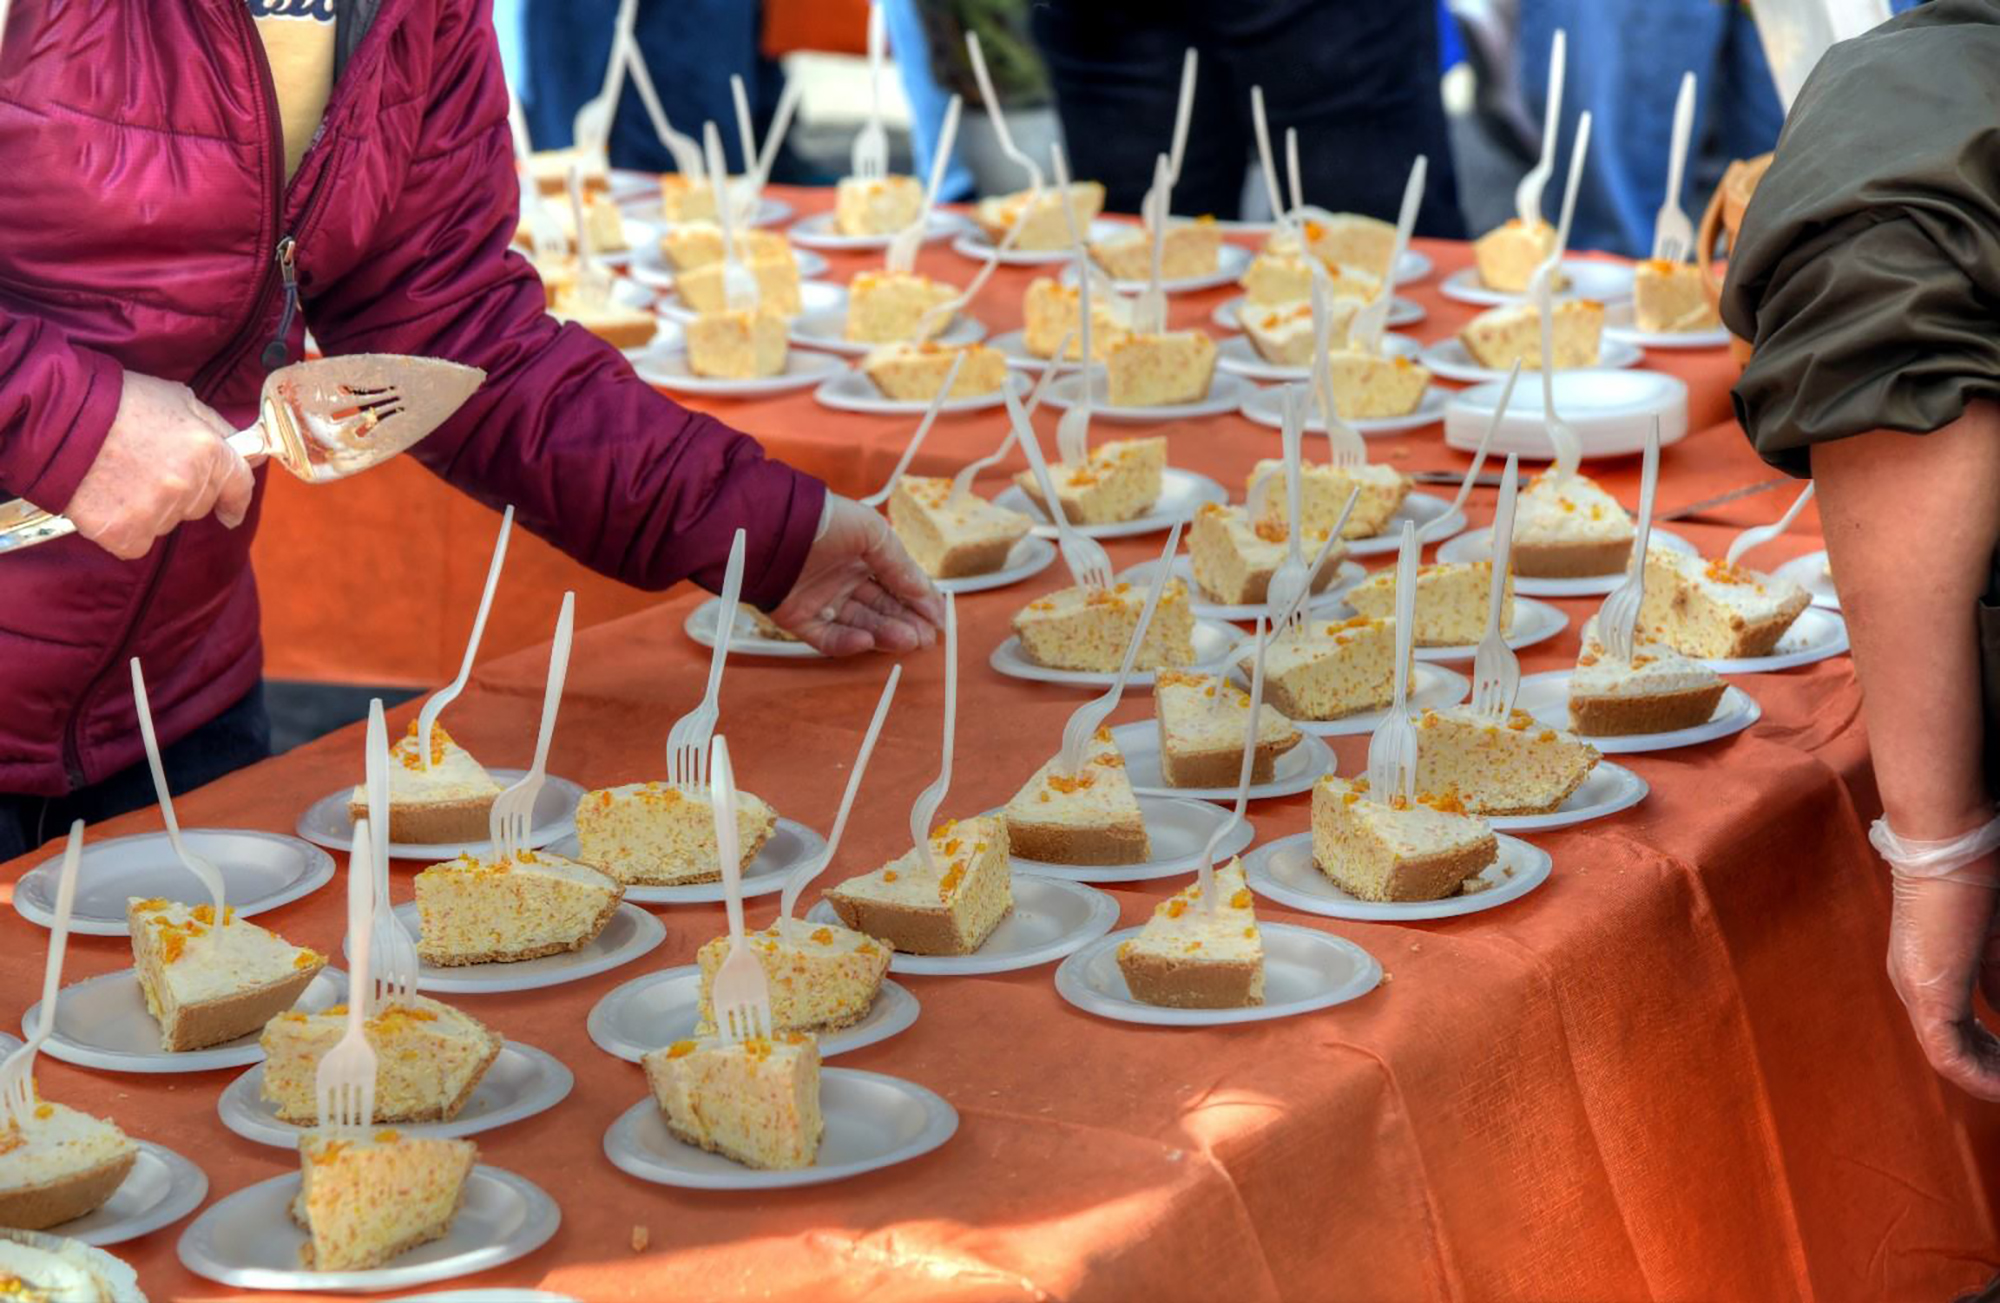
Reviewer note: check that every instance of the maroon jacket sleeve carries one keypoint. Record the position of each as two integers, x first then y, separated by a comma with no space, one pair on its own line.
56,404
591,457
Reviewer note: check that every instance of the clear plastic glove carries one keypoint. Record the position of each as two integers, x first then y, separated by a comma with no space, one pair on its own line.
1942,944
165,460
859,589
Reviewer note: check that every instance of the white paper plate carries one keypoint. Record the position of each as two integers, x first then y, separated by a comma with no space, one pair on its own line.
325,822
1817,635
1451,359
1607,282
668,368
1546,697
700,626
627,185
1424,509
974,244
1178,825
522,1082
1350,573
1808,572
632,932
667,336
1231,261
818,232
1609,789
814,297
1013,345
1182,493
823,330
649,267
1213,641
790,845
660,1008
1431,686
1051,918
1226,393
872,1121
1618,325
1402,312
1295,771
102,1022
1239,356
260,871
1412,267
1262,407
1304,970
1612,412
1284,871
1533,622
1477,545
162,1188
250,1241
853,391
644,203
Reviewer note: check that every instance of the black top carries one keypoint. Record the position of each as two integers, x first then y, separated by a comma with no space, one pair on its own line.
1867,270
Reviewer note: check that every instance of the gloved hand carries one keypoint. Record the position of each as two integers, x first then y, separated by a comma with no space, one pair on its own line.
166,459
1942,943
859,590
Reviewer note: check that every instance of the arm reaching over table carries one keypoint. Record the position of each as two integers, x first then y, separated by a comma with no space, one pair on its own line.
592,458
1866,275
1886,498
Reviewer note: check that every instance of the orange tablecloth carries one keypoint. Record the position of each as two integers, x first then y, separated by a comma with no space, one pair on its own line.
1673,1071
392,600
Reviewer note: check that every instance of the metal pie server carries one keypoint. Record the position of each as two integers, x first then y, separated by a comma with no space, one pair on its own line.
321,420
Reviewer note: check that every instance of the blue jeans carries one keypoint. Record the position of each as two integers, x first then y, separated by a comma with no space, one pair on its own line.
1625,63
909,46
239,736
1358,78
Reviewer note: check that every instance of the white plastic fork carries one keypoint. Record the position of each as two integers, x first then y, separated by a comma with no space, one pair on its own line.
1298,194
1149,310
1291,581
590,130
205,872
687,740
1281,216
513,817
1086,558
17,1074
1436,526
1183,112
593,281
1496,671
1673,233
1086,719
812,868
742,994
939,315
1528,194
1541,286
1285,618
1618,618
869,156
961,483
686,154
1758,535
345,1079
1365,330
1345,449
1205,875
881,495
396,954
1392,751
739,285
435,704
1073,426
925,808
904,245
545,234
997,116
756,163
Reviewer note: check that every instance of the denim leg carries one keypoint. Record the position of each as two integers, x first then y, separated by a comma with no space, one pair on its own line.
910,47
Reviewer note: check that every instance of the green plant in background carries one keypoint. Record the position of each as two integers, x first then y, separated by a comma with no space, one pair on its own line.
1018,76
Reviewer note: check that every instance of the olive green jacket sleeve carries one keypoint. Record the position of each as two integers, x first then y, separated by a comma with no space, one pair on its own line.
1867,271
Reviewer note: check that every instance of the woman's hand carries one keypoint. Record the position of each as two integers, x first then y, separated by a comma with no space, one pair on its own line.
859,590
1942,944
166,459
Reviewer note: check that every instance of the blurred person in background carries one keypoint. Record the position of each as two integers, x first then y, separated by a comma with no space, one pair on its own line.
691,48
1358,78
